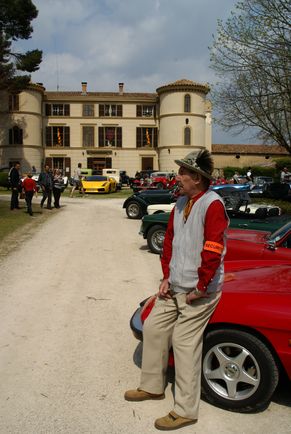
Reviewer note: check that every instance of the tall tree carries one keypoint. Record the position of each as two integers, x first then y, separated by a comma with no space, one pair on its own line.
15,23
251,55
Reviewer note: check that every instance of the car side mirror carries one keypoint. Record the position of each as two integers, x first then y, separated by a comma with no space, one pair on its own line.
272,245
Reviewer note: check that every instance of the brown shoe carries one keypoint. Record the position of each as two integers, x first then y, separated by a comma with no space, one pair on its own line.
141,395
173,421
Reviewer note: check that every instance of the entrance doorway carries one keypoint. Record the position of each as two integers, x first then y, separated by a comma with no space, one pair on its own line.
98,164
147,163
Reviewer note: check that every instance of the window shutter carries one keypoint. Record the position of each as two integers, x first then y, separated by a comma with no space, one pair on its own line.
119,137
11,136
138,111
138,137
101,135
48,136
20,136
119,111
48,110
67,166
66,136
155,111
101,110
10,102
49,162
155,132
67,109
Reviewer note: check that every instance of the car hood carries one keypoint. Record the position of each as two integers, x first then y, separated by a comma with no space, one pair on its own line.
248,235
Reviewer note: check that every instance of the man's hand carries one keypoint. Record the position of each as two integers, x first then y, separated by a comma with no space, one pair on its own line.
191,296
164,289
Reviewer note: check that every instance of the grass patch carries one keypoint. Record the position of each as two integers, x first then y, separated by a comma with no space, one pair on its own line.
16,226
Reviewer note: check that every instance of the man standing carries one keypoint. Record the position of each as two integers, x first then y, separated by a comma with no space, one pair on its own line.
190,290
45,180
77,180
14,179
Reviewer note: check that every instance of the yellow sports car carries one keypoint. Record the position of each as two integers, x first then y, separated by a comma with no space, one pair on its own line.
99,184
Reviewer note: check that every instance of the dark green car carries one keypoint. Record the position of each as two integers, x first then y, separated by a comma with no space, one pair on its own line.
154,226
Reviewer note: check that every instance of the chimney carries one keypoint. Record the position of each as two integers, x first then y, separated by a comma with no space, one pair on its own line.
84,87
120,88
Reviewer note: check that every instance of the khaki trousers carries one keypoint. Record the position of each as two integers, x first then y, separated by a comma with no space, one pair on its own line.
174,323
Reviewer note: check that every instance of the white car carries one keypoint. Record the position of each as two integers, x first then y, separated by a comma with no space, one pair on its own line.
161,207
256,209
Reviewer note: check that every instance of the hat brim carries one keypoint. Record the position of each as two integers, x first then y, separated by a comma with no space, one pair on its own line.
187,166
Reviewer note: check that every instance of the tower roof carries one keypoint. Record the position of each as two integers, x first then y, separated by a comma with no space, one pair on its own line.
184,85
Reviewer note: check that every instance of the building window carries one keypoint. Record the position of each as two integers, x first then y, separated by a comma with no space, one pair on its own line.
88,136
110,136
13,102
15,136
110,110
187,136
57,109
187,103
57,136
147,111
88,109
146,137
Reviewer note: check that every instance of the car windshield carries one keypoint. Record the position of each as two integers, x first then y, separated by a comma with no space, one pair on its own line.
96,178
280,233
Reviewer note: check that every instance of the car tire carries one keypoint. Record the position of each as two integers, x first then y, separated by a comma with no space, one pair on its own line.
160,186
133,210
239,372
155,238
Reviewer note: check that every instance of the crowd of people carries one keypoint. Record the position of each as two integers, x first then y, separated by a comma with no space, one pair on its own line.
50,182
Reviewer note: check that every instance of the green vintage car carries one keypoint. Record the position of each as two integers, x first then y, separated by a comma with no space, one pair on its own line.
154,226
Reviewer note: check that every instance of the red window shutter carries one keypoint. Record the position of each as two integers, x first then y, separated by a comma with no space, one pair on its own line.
101,136
138,111
119,137
101,110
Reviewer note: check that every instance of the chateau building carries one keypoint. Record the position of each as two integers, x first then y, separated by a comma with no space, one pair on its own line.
122,130
129,131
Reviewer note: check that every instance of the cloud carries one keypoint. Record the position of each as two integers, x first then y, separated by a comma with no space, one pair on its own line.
143,43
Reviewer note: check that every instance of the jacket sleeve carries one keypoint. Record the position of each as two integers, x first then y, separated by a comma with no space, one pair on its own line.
216,223
167,248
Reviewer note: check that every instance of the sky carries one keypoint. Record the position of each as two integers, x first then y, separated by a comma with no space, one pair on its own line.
142,43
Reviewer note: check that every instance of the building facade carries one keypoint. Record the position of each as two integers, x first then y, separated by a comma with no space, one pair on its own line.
128,131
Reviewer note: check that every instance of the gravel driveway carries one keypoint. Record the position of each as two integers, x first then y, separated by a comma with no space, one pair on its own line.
66,351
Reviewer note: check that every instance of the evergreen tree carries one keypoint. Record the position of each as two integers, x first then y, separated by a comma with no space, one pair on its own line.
15,23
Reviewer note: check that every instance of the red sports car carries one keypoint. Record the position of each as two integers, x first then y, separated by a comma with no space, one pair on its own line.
251,244
247,343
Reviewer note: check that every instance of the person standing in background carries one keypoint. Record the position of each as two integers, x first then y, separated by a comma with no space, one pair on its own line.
15,184
77,180
45,180
58,184
29,187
